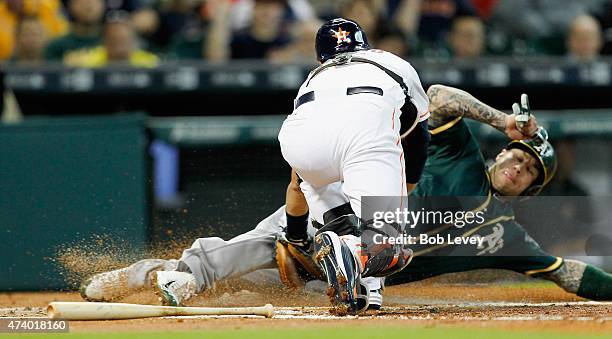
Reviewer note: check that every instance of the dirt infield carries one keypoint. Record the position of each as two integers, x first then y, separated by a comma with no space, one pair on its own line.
520,306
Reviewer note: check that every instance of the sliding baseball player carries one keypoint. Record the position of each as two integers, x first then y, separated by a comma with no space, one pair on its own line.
455,168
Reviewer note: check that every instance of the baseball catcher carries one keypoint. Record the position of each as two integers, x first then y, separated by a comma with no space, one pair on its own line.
347,125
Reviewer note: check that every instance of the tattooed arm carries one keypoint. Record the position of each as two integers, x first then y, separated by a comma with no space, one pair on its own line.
447,103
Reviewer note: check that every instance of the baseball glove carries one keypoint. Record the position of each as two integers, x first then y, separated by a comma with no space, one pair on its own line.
296,265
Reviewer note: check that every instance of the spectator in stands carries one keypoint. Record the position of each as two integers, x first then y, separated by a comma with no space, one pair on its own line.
584,41
326,9
296,10
300,50
364,12
466,39
484,8
142,12
436,17
179,19
85,31
267,31
145,19
537,18
381,33
30,41
405,15
120,46
49,12
541,24
393,40
205,38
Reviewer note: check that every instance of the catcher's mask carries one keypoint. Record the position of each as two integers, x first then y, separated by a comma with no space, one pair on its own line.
339,36
542,150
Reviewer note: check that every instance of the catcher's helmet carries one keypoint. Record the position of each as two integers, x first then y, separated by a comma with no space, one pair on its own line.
544,153
339,36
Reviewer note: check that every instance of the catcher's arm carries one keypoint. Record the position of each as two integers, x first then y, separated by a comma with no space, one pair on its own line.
295,200
297,211
294,250
448,103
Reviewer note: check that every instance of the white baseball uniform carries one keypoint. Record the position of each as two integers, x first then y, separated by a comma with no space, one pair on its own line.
352,138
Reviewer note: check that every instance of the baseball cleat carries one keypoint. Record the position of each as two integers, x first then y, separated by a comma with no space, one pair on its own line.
174,288
342,270
375,299
374,288
363,297
119,283
106,286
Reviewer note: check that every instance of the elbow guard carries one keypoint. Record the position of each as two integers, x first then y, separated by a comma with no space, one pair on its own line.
415,150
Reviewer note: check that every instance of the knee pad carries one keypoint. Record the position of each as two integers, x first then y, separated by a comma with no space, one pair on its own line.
340,220
344,225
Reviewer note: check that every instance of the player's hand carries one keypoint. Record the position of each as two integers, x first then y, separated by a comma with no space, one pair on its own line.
513,132
521,124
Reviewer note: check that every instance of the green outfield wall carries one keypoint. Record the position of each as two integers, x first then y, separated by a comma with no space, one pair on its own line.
63,180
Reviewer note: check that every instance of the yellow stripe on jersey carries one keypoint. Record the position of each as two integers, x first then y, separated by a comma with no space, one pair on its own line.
547,269
446,126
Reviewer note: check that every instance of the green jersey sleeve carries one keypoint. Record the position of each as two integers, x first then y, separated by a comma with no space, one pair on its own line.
455,165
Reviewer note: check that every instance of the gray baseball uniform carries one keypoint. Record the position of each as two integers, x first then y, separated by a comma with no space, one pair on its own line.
214,259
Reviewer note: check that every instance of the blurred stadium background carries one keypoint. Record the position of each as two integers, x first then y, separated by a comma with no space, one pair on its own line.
150,120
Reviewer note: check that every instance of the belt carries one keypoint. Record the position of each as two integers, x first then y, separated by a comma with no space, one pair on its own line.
310,96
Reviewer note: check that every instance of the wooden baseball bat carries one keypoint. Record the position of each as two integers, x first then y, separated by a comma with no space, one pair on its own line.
112,311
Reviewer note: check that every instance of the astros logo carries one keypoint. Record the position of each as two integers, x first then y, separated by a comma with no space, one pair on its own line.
341,35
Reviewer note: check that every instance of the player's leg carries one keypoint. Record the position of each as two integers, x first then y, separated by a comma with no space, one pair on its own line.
326,204
213,259
323,199
115,284
376,172
122,282
309,143
379,173
374,167
340,250
423,267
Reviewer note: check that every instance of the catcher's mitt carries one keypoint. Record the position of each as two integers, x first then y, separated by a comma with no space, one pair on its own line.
296,265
